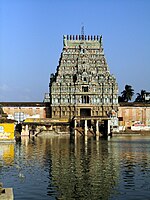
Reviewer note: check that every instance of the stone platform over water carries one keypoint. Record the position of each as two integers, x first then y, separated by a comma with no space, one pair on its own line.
6,193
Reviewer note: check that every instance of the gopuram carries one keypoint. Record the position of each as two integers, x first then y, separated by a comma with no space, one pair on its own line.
82,87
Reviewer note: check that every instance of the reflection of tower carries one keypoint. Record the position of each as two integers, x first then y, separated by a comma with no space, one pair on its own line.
76,164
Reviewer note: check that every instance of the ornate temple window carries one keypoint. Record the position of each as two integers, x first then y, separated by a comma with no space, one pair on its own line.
85,99
97,51
115,101
72,89
82,50
94,100
94,89
85,88
106,100
84,79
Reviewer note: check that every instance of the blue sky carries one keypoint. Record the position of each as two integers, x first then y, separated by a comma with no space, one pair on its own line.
31,41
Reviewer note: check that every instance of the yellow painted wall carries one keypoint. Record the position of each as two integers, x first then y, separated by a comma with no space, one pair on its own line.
7,131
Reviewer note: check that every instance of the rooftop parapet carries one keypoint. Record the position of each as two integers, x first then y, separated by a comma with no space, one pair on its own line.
73,40
82,37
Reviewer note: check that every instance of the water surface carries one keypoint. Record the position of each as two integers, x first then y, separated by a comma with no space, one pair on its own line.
60,168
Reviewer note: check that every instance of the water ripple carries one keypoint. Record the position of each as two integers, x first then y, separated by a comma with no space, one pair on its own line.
57,168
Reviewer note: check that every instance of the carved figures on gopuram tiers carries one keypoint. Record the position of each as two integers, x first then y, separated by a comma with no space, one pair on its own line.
82,82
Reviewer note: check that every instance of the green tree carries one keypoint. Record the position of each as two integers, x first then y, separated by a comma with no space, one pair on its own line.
140,96
127,93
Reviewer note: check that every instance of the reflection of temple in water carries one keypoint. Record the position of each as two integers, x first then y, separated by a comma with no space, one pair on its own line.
82,171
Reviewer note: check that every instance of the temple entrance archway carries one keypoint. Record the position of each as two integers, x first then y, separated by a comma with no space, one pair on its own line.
85,112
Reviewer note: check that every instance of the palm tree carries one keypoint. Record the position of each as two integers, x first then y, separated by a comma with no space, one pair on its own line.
120,99
140,96
127,93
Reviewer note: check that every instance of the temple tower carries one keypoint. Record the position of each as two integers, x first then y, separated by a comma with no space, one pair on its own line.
82,84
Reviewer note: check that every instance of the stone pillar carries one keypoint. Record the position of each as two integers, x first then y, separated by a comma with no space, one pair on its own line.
85,128
108,127
26,128
97,128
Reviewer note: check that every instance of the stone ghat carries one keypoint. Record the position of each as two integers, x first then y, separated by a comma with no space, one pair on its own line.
6,193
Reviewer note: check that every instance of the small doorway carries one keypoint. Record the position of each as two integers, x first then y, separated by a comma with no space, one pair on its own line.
85,112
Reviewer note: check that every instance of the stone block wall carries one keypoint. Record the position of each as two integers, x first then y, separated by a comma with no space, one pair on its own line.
131,112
